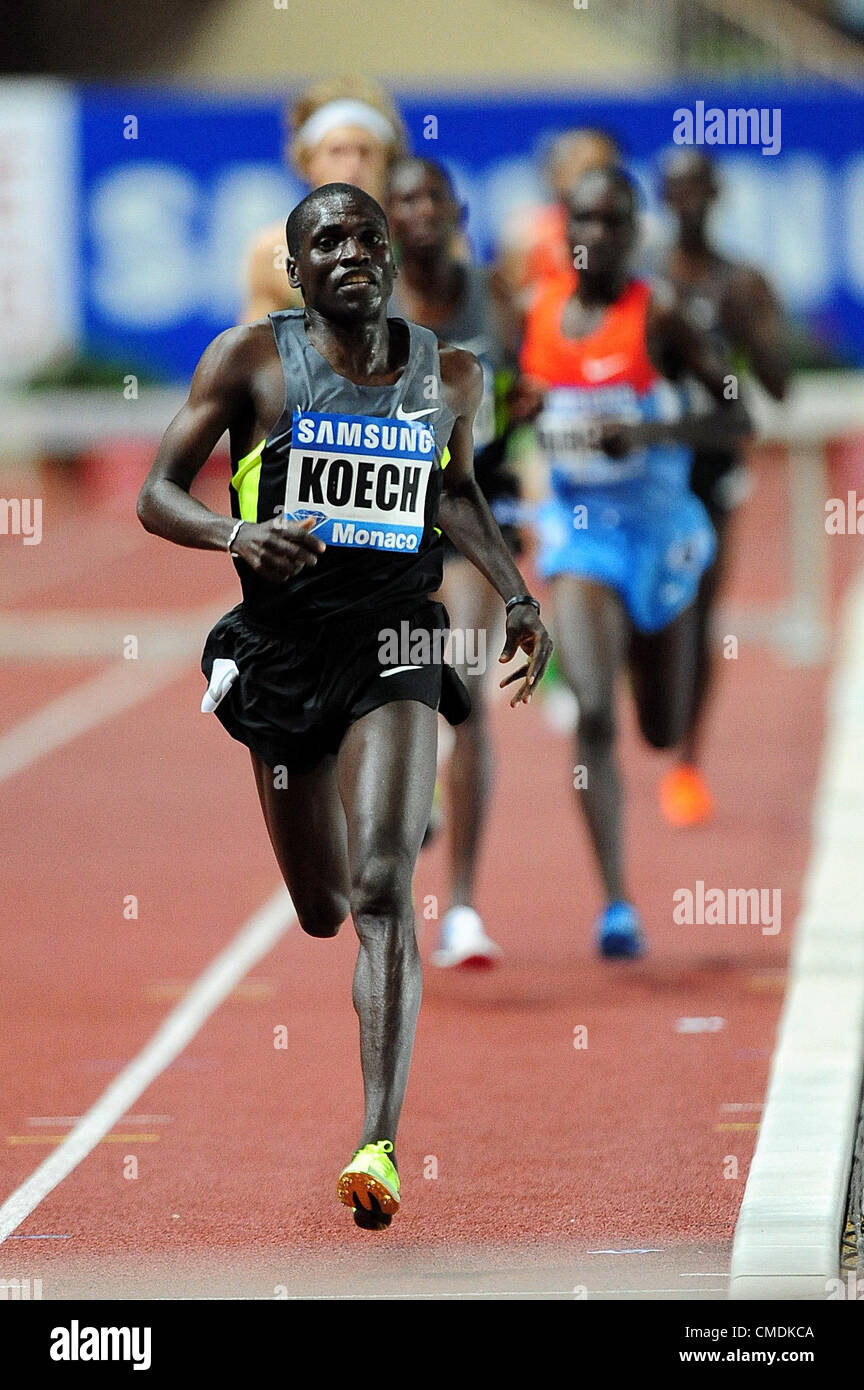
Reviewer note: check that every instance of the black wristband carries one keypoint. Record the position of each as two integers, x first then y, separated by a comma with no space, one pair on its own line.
521,598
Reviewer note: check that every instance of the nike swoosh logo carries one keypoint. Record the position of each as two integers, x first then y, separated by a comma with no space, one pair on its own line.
394,670
402,414
599,368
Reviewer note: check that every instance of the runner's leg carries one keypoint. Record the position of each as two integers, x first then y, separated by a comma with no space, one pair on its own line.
306,824
704,672
386,773
476,611
591,632
662,667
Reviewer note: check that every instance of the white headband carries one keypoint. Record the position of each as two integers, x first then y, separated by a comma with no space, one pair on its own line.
344,112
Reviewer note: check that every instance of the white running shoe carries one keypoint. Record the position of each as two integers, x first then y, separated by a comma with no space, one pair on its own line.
560,709
462,941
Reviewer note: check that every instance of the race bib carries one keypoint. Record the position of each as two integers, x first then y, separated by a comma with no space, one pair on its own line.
563,434
363,478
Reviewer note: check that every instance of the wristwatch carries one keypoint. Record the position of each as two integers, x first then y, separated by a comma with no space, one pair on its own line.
232,538
521,598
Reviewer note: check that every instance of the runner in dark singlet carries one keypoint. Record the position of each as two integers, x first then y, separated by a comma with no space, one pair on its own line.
330,670
735,307
462,305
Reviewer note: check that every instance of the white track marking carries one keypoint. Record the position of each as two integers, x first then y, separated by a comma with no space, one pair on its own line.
79,634
114,690
249,946
68,553
468,1293
66,1121
787,1238
80,709
639,1250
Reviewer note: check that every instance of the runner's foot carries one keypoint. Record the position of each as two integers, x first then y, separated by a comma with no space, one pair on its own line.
370,1185
618,932
685,797
462,940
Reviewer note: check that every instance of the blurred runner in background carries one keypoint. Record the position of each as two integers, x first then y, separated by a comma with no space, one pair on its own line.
623,540
533,248
344,130
535,245
734,305
466,306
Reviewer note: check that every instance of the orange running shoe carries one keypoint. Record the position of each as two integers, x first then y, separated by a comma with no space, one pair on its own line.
685,798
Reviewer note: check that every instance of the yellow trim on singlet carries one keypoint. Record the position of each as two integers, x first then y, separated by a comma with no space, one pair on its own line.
445,459
245,482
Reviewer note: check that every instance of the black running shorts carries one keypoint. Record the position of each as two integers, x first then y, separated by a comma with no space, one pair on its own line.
297,692
715,478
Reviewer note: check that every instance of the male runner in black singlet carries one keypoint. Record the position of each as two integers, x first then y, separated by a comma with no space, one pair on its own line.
355,428
734,306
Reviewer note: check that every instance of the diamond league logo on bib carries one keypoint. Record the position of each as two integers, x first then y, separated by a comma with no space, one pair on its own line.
362,477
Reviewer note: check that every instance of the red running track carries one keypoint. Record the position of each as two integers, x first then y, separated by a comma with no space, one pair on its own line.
545,1154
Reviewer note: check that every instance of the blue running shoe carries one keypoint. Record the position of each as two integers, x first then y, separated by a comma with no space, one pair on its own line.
619,932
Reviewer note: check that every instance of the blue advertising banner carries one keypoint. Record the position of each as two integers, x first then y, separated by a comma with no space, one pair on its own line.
173,186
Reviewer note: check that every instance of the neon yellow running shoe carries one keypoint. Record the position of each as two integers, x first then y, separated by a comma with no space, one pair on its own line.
370,1174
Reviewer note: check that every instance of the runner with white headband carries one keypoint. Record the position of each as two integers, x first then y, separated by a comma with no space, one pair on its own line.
344,113
345,130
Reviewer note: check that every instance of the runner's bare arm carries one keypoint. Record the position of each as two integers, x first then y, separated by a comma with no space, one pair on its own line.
678,349
508,316
219,400
267,287
464,512
753,319
218,396
465,516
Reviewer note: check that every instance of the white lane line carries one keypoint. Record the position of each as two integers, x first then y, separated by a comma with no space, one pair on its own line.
66,1121
80,634
250,945
94,701
72,551
80,709
468,1293
639,1250
787,1237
